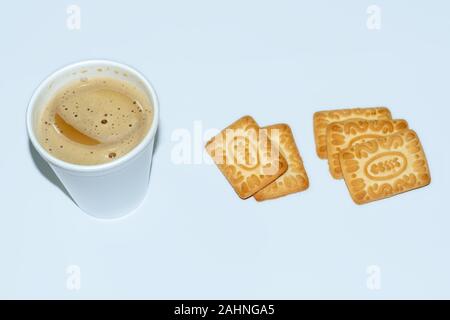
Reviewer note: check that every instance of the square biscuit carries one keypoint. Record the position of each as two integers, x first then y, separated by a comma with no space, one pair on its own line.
323,118
385,167
344,134
295,179
246,157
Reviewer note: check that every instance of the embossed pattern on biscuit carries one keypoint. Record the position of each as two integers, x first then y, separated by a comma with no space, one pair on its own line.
295,179
246,157
323,118
385,167
344,134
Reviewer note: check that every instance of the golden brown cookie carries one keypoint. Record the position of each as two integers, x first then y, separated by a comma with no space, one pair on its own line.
385,167
323,118
295,178
344,134
246,157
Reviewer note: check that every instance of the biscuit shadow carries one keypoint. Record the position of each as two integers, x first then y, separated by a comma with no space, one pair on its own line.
45,169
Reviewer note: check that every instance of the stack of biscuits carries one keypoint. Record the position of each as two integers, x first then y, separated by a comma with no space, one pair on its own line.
261,162
377,156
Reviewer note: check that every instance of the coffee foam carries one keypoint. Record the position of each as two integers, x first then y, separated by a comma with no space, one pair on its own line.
94,121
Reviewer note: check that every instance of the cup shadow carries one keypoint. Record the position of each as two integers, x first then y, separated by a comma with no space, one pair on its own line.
157,140
48,173
45,170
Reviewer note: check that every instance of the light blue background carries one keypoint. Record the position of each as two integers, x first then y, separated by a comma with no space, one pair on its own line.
215,61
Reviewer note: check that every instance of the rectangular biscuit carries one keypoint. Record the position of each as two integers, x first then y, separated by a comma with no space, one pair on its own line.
295,178
344,134
246,157
385,167
323,118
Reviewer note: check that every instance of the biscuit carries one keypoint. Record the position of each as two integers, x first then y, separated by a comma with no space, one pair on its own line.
323,118
246,157
385,167
344,134
295,178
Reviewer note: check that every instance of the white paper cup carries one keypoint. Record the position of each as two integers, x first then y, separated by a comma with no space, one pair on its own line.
108,190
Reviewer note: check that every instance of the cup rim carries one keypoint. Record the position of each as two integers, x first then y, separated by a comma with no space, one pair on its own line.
97,167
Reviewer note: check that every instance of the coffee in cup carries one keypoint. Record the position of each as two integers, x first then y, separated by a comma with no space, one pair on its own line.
94,120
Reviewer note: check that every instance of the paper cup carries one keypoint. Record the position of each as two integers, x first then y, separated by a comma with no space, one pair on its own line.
108,190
